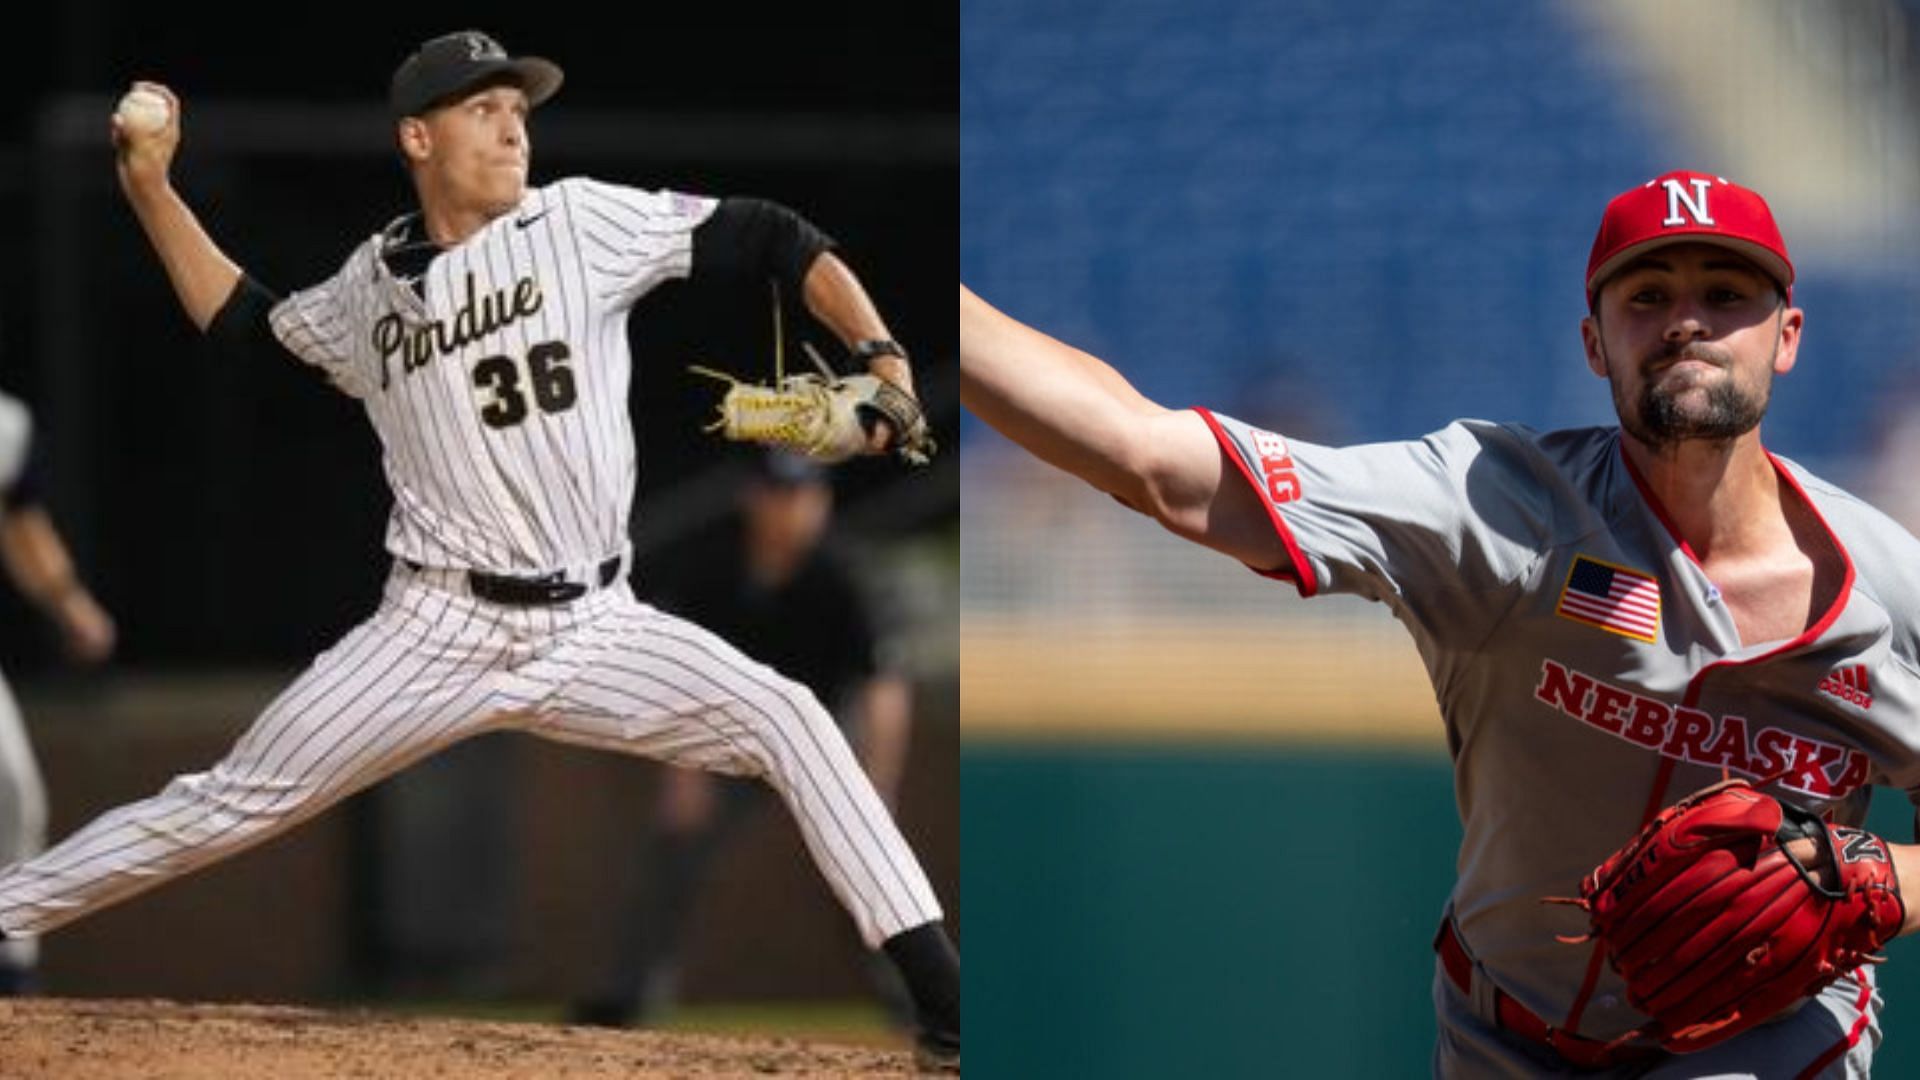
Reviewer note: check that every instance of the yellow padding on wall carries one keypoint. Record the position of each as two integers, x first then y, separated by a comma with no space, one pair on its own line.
1187,678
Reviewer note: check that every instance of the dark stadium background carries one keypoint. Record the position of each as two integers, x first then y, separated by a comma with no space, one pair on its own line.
231,510
231,514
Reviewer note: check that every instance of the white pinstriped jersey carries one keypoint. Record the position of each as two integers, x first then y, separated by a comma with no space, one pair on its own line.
499,390
23,793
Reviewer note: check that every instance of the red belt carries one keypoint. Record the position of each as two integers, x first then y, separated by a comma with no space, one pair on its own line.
1517,1018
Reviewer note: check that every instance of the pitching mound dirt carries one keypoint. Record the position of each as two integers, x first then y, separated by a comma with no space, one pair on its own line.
162,1040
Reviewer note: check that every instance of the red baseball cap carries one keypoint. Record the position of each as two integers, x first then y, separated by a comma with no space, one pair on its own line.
1688,206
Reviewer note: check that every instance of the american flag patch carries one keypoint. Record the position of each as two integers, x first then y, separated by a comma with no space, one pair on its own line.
1612,598
686,205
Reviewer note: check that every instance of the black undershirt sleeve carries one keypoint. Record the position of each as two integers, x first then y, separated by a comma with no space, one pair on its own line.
747,239
241,327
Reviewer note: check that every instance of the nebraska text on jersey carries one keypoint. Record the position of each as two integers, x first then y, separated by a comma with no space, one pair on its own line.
1612,598
1701,738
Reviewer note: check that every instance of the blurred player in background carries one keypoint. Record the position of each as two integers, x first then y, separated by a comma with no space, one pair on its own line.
40,568
780,588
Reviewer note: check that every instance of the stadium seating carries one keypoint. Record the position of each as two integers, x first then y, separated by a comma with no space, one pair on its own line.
1352,224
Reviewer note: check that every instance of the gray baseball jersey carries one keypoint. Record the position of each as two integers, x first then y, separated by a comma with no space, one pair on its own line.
498,385
1585,667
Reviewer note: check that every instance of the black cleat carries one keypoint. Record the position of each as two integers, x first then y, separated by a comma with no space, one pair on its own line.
18,981
937,1052
602,1012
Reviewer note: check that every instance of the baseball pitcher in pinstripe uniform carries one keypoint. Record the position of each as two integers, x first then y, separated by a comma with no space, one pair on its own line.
486,336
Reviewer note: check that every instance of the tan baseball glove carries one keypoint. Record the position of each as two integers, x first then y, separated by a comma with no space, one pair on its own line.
825,416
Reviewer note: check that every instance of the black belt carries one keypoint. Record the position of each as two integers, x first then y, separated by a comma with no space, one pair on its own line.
547,589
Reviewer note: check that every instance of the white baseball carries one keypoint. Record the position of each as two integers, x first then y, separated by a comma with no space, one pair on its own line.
142,111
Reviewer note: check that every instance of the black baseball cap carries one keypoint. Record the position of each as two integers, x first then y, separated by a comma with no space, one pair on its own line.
451,64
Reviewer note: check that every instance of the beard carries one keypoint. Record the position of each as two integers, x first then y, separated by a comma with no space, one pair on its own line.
1662,417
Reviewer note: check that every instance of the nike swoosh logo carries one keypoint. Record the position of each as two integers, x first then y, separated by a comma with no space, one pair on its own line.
523,222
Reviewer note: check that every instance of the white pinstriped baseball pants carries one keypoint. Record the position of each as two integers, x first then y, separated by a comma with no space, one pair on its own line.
23,809
434,666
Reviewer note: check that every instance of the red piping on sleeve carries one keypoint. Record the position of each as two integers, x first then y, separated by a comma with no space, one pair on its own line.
1297,572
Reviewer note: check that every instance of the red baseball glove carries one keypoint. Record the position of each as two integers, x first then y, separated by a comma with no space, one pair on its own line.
1716,926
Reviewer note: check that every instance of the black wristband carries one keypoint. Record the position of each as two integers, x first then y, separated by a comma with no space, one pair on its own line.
865,351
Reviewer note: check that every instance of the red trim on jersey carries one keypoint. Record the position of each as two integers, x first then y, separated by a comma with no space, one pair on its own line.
1511,1015
1853,1034
1846,583
1653,502
1846,559
1664,775
1302,581
1661,777
1587,983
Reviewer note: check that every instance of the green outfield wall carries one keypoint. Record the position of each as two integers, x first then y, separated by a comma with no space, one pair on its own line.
1238,910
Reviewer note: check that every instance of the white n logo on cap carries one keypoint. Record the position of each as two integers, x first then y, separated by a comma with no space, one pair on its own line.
1696,206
